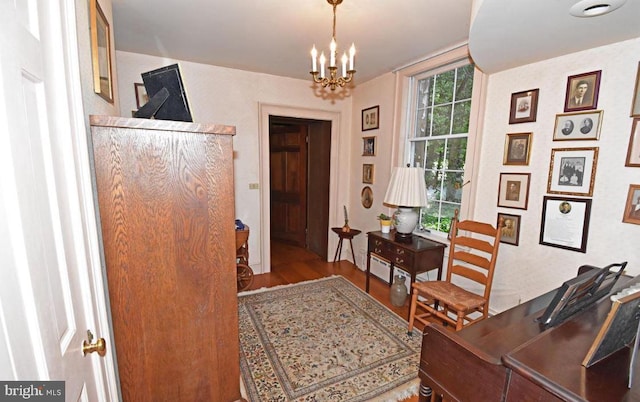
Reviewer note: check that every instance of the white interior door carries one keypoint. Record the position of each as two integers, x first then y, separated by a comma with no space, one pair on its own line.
49,297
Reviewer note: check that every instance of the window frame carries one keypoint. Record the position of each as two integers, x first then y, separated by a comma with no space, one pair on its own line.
405,113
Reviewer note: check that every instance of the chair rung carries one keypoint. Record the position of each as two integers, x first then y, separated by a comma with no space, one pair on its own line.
476,244
472,259
477,227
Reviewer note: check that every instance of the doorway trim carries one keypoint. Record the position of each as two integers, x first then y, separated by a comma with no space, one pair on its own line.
267,110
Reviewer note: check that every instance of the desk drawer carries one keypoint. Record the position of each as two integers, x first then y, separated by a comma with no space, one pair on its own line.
395,254
379,247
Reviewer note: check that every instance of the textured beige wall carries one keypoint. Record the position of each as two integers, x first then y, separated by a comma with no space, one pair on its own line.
531,269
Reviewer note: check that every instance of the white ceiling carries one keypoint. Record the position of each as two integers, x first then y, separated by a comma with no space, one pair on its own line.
275,36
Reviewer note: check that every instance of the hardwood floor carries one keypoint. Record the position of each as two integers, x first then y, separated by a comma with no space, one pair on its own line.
291,264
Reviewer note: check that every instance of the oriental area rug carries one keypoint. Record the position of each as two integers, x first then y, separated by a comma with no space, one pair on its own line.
324,340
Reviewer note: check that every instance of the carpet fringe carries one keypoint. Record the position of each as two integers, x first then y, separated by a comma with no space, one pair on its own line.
401,393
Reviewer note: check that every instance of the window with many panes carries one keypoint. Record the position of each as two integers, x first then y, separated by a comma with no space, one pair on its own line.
441,106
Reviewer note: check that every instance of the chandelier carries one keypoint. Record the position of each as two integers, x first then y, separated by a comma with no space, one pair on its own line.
333,80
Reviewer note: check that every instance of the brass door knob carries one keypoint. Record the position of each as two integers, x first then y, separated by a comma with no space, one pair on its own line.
88,347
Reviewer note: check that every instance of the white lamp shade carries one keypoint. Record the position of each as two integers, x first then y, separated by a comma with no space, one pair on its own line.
406,188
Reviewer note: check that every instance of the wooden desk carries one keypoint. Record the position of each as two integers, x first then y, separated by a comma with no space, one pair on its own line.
510,357
421,255
345,235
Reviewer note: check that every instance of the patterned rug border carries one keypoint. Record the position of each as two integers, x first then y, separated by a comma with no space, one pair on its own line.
399,393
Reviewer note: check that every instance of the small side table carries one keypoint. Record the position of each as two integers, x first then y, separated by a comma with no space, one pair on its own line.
345,235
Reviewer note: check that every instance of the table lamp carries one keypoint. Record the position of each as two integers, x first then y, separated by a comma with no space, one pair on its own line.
406,191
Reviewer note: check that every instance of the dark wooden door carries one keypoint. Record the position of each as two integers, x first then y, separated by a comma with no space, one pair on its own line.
288,166
319,161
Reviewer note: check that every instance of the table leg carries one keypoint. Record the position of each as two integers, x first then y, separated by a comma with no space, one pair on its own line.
338,250
366,287
353,255
413,279
425,393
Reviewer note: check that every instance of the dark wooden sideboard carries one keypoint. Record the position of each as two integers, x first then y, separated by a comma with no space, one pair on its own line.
511,357
418,256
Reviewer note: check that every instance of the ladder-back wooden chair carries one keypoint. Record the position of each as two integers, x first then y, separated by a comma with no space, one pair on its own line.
472,255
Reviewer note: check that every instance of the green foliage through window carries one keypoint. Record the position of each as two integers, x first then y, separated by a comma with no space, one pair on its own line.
439,140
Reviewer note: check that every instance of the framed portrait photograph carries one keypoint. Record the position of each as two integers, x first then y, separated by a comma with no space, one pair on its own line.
635,105
513,190
572,171
517,148
524,106
582,91
369,146
632,208
578,126
366,197
633,153
370,118
367,173
141,94
565,223
100,52
510,232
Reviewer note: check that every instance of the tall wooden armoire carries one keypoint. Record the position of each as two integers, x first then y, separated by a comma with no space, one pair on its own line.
166,203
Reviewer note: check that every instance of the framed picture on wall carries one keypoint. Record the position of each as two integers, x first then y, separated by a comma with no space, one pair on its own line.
633,152
565,223
517,149
100,52
370,118
367,173
635,105
578,126
366,197
524,106
572,171
513,190
510,232
582,91
369,146
632,208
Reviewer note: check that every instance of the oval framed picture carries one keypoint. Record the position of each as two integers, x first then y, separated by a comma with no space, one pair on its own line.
366,197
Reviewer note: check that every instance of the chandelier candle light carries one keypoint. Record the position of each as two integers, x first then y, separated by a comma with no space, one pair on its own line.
333,80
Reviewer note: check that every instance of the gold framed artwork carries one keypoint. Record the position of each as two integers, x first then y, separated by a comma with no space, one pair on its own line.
366,197
524,106
369,146
635,105
517,149
632,207
572,171
578,126
633,152
513,190
367,173
100,52
582,91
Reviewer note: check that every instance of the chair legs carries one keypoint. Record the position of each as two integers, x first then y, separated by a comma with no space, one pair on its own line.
412,311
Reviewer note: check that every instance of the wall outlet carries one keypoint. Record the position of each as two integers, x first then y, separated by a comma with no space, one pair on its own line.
254,186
